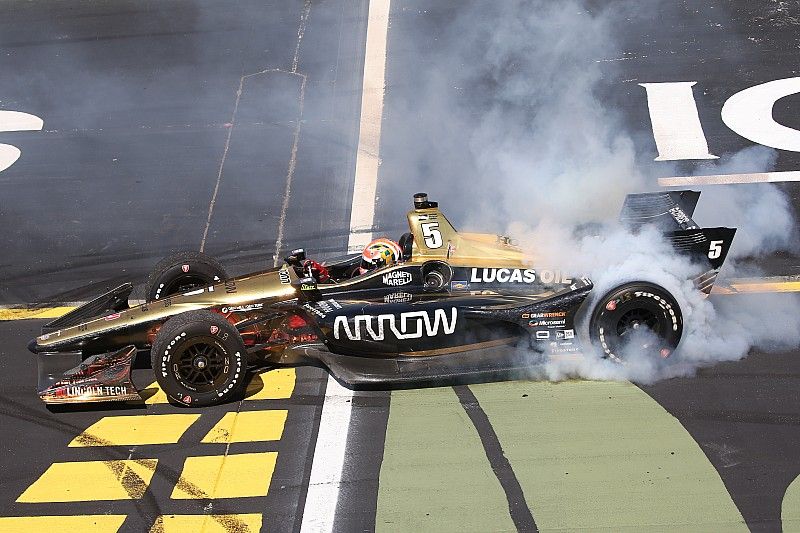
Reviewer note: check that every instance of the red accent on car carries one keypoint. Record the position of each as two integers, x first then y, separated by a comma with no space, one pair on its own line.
610,306
296,322
665,352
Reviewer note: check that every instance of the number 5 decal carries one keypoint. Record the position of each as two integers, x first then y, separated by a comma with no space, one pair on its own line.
433,237
15,121
715,250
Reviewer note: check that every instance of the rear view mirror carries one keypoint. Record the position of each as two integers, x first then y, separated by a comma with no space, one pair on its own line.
296,257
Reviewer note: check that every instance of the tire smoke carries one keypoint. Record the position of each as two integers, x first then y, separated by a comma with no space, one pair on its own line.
518,110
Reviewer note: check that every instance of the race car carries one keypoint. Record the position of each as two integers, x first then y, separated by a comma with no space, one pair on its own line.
455,304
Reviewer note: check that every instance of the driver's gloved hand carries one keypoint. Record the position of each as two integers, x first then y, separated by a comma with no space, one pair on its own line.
318,271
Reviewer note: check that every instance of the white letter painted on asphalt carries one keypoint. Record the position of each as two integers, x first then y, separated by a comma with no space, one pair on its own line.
8,156
676,124
749,113
15,121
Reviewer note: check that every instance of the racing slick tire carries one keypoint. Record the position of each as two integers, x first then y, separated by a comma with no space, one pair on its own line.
183,272
628,307
199,359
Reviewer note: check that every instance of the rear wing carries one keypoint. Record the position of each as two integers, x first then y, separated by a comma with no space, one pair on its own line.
672,212
669,210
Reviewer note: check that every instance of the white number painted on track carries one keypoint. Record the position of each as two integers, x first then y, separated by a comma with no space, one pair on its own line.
679,134
676,124
749,113
715,250
433,237
15,121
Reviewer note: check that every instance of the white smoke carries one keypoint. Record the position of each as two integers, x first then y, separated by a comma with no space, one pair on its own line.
530,133
723,328
761,212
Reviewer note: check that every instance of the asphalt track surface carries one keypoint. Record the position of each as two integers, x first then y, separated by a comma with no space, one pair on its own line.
154,111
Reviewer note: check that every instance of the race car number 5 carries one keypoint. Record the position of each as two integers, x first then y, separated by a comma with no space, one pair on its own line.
715,250
433,237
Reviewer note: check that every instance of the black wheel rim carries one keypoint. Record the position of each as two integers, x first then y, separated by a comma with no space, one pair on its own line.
201,364
183,284
636,319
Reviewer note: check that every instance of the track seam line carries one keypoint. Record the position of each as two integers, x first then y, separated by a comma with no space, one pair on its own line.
518,508
292,162
227,451
222,164
287,193
301,30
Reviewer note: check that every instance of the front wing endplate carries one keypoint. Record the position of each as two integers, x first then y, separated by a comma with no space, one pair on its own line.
100,378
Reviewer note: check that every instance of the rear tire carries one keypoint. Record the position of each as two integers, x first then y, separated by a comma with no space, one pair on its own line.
183,272
199,359
629,307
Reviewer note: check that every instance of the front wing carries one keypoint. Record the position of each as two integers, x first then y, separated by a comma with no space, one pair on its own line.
100,378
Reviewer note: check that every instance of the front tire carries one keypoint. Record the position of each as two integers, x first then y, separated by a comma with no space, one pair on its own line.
626,309
183,272
199,359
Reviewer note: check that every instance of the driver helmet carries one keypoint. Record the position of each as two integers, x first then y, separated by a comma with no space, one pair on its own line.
379,253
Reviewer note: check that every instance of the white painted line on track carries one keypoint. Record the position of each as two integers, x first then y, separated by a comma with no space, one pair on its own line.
328,463
728,179
329,454
362,213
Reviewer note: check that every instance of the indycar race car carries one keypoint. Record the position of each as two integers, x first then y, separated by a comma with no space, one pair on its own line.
456,304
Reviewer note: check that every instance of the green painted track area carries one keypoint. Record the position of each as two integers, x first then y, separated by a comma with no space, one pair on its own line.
790,512
591,456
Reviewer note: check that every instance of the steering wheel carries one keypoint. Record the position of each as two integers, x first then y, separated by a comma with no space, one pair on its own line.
316,270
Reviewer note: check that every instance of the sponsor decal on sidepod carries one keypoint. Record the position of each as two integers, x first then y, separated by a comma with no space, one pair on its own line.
458,285
397,278
398,297
503,275
242,308
409,325
516,275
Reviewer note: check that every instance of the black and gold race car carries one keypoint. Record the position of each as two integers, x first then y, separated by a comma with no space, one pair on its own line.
456,304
